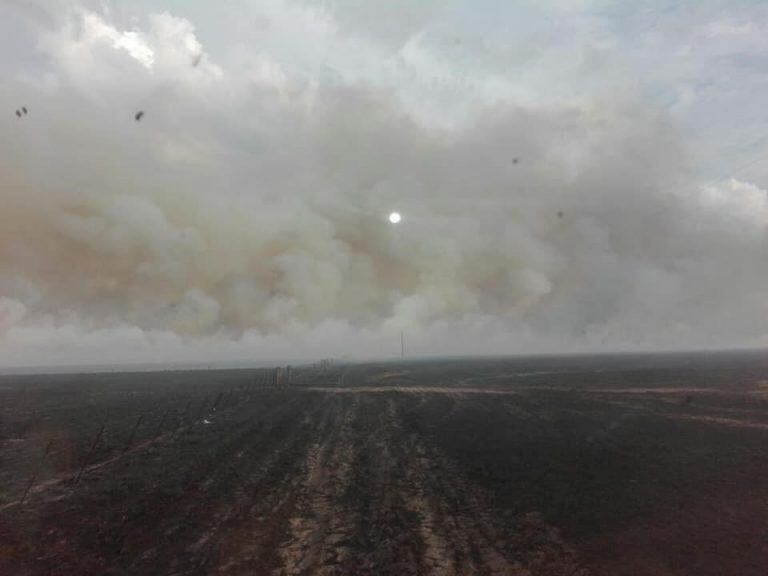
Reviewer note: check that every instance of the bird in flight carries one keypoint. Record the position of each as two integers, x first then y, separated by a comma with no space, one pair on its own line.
139,115
24,109
18,113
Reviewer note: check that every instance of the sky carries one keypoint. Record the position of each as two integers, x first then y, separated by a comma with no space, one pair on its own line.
573,176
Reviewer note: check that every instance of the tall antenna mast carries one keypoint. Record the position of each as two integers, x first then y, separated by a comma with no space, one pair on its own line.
402,345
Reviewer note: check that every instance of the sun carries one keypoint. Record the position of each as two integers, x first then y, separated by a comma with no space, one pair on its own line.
395,217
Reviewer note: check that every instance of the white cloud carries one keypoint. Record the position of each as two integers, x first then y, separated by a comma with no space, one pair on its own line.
95,29
740,204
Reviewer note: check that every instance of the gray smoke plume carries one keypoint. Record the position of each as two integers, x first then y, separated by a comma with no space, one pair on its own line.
245,216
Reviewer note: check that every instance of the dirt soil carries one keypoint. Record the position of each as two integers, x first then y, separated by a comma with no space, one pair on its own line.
572,466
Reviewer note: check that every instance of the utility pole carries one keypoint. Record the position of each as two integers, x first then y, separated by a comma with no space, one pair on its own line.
402,345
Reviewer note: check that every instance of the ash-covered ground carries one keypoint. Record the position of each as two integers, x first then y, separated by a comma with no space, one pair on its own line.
623,465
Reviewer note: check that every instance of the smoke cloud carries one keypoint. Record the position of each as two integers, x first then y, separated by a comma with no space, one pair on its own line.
245,215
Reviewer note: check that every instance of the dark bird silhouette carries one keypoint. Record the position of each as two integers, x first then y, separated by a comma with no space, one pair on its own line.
196,60
560,214
139,115
24,109
18,113
515,160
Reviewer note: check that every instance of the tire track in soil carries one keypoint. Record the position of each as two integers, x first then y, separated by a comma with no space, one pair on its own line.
265,487
456,540
243,457
346,485
154,529
250,532
320,527
376,498
465,534
460,518
385,531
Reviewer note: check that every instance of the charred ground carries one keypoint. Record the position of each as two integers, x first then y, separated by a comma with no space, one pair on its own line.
552,466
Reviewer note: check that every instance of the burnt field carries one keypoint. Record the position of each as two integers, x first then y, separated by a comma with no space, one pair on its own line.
570,466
